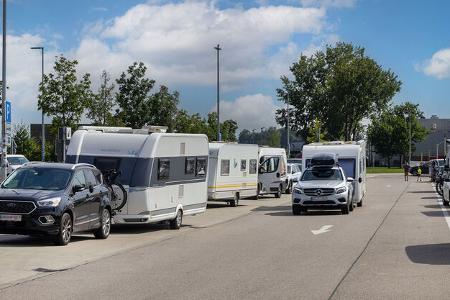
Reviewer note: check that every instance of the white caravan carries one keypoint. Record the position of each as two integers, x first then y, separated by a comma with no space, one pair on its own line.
232,172
351,158
272,178
164,173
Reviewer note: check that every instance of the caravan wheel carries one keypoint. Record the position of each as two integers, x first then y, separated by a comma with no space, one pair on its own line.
176,223
360,203
235,201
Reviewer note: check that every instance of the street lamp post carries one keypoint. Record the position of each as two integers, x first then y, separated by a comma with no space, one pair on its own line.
288,129
219,134
42,119
4,162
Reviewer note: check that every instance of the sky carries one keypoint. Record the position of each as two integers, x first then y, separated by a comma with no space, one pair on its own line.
260,39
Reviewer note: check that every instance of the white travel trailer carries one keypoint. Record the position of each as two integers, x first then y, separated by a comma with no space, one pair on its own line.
272,177
232,172
351,158
164,173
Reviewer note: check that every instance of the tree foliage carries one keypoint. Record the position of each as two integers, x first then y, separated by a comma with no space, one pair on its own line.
267,137
62,96
389,132
102,103
339,86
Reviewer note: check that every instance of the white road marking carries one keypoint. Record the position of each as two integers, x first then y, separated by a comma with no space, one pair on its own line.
444,210
389,186
323,229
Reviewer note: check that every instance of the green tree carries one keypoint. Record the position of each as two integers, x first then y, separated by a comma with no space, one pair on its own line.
163,108
102,103
339,86
186,123
228,128
133,96
268,137
62,96
389,132
25,144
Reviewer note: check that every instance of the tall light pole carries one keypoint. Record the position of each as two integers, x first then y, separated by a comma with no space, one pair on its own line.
219,134
4,162
410,138
288,129
42,120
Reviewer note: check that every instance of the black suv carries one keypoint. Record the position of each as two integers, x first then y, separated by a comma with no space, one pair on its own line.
55,199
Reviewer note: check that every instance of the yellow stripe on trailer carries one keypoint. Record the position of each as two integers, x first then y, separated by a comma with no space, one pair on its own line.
225,186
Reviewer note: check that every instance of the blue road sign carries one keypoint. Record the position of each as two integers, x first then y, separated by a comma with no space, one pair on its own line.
8,112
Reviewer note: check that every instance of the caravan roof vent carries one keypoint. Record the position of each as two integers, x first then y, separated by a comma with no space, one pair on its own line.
324,160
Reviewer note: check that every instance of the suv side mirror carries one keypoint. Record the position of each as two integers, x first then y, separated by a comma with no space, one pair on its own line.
350,179
78,188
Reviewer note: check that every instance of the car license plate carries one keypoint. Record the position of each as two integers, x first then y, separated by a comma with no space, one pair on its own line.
13,218
318,198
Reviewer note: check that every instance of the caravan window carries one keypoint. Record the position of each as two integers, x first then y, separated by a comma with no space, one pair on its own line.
225,167
163,169
243,165
253,166
349,166
189,165
201,167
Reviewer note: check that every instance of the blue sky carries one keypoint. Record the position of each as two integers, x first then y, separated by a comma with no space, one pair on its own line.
260,40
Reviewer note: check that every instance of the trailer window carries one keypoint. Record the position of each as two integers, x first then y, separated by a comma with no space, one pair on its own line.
163,169
349,166
243,165
225,167
189,165
202,164
253,166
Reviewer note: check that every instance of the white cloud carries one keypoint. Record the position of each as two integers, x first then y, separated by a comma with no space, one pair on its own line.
177,40
438,66
328,3
250,112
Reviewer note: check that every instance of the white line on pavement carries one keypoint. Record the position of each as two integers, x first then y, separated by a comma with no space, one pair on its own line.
322,229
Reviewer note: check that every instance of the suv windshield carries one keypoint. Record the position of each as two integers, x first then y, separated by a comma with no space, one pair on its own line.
322,174
17,160
38,179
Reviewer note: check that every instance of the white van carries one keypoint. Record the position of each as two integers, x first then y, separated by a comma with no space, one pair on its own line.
164,173
272,177
351,158
232,172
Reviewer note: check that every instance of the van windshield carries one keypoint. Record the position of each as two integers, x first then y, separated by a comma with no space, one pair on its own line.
52,179
322,174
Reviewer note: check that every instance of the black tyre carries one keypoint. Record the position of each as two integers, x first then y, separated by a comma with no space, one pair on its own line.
278,193
65,231
351,206
439,188
296,210
345,210
360,203
289,188
176,223
235,201
105,225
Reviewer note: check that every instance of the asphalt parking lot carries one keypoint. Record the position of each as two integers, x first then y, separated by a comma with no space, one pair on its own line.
395,246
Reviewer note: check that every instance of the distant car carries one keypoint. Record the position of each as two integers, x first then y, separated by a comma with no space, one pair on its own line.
15,161
297,161
293,176
425,169
56,200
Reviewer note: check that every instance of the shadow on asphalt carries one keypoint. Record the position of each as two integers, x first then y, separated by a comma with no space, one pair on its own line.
432,254
435,213
432,206
138,228
431,198
283,211
422,192
11,240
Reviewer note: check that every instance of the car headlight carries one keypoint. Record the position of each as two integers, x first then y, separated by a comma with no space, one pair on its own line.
341,190
52,202
298,190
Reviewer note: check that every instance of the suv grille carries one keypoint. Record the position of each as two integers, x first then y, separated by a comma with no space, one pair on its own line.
319,192
17,207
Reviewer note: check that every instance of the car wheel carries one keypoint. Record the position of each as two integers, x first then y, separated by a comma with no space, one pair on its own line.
176,223
296,210
235,201
65,230
446,202
278,194
288,188
345,210
105,225
351,206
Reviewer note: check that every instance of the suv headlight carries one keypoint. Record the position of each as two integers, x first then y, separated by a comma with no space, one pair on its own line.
298,190
341,190
52,202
